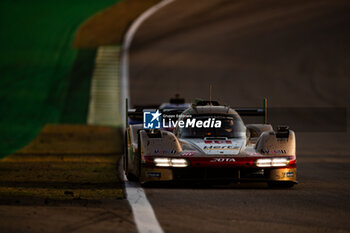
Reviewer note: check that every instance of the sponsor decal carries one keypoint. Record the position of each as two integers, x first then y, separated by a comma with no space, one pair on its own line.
188,153
152,120
154,174
273,151
221,160
217,142
162,152
220,148
287,174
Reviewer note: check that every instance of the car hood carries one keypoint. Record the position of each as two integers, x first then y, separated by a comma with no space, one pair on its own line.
214,146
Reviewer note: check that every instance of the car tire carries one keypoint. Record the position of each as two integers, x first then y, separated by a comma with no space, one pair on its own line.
132,177
126,153
137,170
138,158
129,175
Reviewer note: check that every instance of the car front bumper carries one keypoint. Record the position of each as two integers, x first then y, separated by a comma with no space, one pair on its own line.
234,174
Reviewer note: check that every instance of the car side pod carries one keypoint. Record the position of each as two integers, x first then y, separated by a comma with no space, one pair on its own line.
280,144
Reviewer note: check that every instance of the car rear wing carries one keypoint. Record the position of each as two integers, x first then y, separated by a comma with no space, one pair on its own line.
254,111
241,111
135,115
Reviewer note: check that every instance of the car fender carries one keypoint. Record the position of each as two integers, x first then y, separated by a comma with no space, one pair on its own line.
159,142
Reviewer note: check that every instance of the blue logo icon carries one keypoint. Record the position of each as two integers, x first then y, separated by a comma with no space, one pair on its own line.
152,120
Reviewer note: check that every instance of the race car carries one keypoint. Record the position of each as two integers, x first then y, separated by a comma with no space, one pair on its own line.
225,150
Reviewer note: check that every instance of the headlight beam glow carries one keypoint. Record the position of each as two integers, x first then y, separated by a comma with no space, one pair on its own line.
272,162
167,162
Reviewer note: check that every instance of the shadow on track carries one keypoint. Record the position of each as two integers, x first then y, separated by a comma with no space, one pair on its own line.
206,185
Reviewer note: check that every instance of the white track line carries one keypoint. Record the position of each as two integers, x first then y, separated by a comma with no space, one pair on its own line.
144,216
126,46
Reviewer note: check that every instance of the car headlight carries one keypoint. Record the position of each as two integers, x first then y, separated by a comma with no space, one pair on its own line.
280,162
179,162
162,162
263,162
167,162
272,162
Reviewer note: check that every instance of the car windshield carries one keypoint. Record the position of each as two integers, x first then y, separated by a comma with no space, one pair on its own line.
231,127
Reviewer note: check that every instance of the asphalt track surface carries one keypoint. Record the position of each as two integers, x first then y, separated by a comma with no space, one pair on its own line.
295,53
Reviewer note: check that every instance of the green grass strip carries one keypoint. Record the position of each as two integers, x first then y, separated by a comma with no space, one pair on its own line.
37,85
